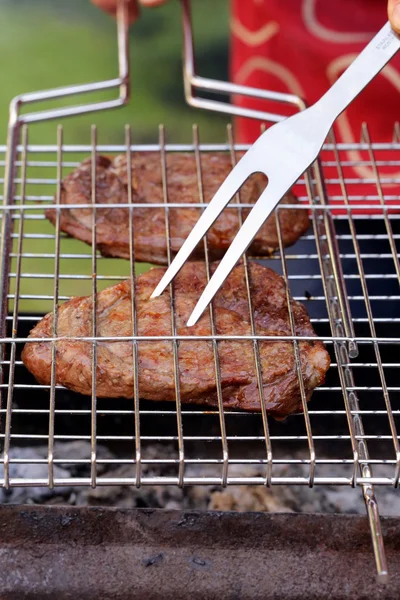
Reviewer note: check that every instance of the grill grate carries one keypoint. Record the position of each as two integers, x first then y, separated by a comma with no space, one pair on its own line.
346,271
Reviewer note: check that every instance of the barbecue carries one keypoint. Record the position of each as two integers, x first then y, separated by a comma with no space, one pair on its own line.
340,279
115,376
112,229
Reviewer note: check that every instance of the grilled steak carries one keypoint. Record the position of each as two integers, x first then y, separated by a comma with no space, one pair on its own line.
196,360
150,242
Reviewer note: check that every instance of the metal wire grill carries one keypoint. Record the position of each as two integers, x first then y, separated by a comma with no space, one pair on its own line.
346,270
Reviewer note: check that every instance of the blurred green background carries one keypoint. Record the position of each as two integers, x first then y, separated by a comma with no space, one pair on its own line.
51,43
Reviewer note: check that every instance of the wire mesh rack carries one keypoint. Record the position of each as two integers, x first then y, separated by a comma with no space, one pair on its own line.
346,271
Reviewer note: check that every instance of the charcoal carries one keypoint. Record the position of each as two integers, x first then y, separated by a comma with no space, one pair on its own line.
295,499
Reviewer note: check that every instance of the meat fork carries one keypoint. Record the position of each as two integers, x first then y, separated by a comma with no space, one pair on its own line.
283,153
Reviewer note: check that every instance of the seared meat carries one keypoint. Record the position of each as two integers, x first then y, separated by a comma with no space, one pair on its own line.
150,242
196,360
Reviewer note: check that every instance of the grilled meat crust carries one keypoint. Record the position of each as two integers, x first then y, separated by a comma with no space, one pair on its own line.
196,360
149,227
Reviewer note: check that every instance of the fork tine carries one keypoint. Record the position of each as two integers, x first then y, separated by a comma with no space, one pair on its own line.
235,179
265,204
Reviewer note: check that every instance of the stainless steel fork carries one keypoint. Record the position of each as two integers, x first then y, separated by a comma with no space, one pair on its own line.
282,153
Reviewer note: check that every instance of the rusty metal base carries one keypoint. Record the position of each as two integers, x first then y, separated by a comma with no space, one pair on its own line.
63,552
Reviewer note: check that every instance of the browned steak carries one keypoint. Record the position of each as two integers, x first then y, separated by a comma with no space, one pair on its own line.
196,361
150,243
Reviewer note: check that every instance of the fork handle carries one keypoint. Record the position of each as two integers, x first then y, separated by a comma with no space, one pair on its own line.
362,70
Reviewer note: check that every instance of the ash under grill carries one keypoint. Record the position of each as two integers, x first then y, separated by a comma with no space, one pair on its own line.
346,272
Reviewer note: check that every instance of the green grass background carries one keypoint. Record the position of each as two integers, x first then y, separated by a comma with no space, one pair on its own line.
51,43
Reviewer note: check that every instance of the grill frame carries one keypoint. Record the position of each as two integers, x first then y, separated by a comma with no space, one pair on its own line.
332,279
343,339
